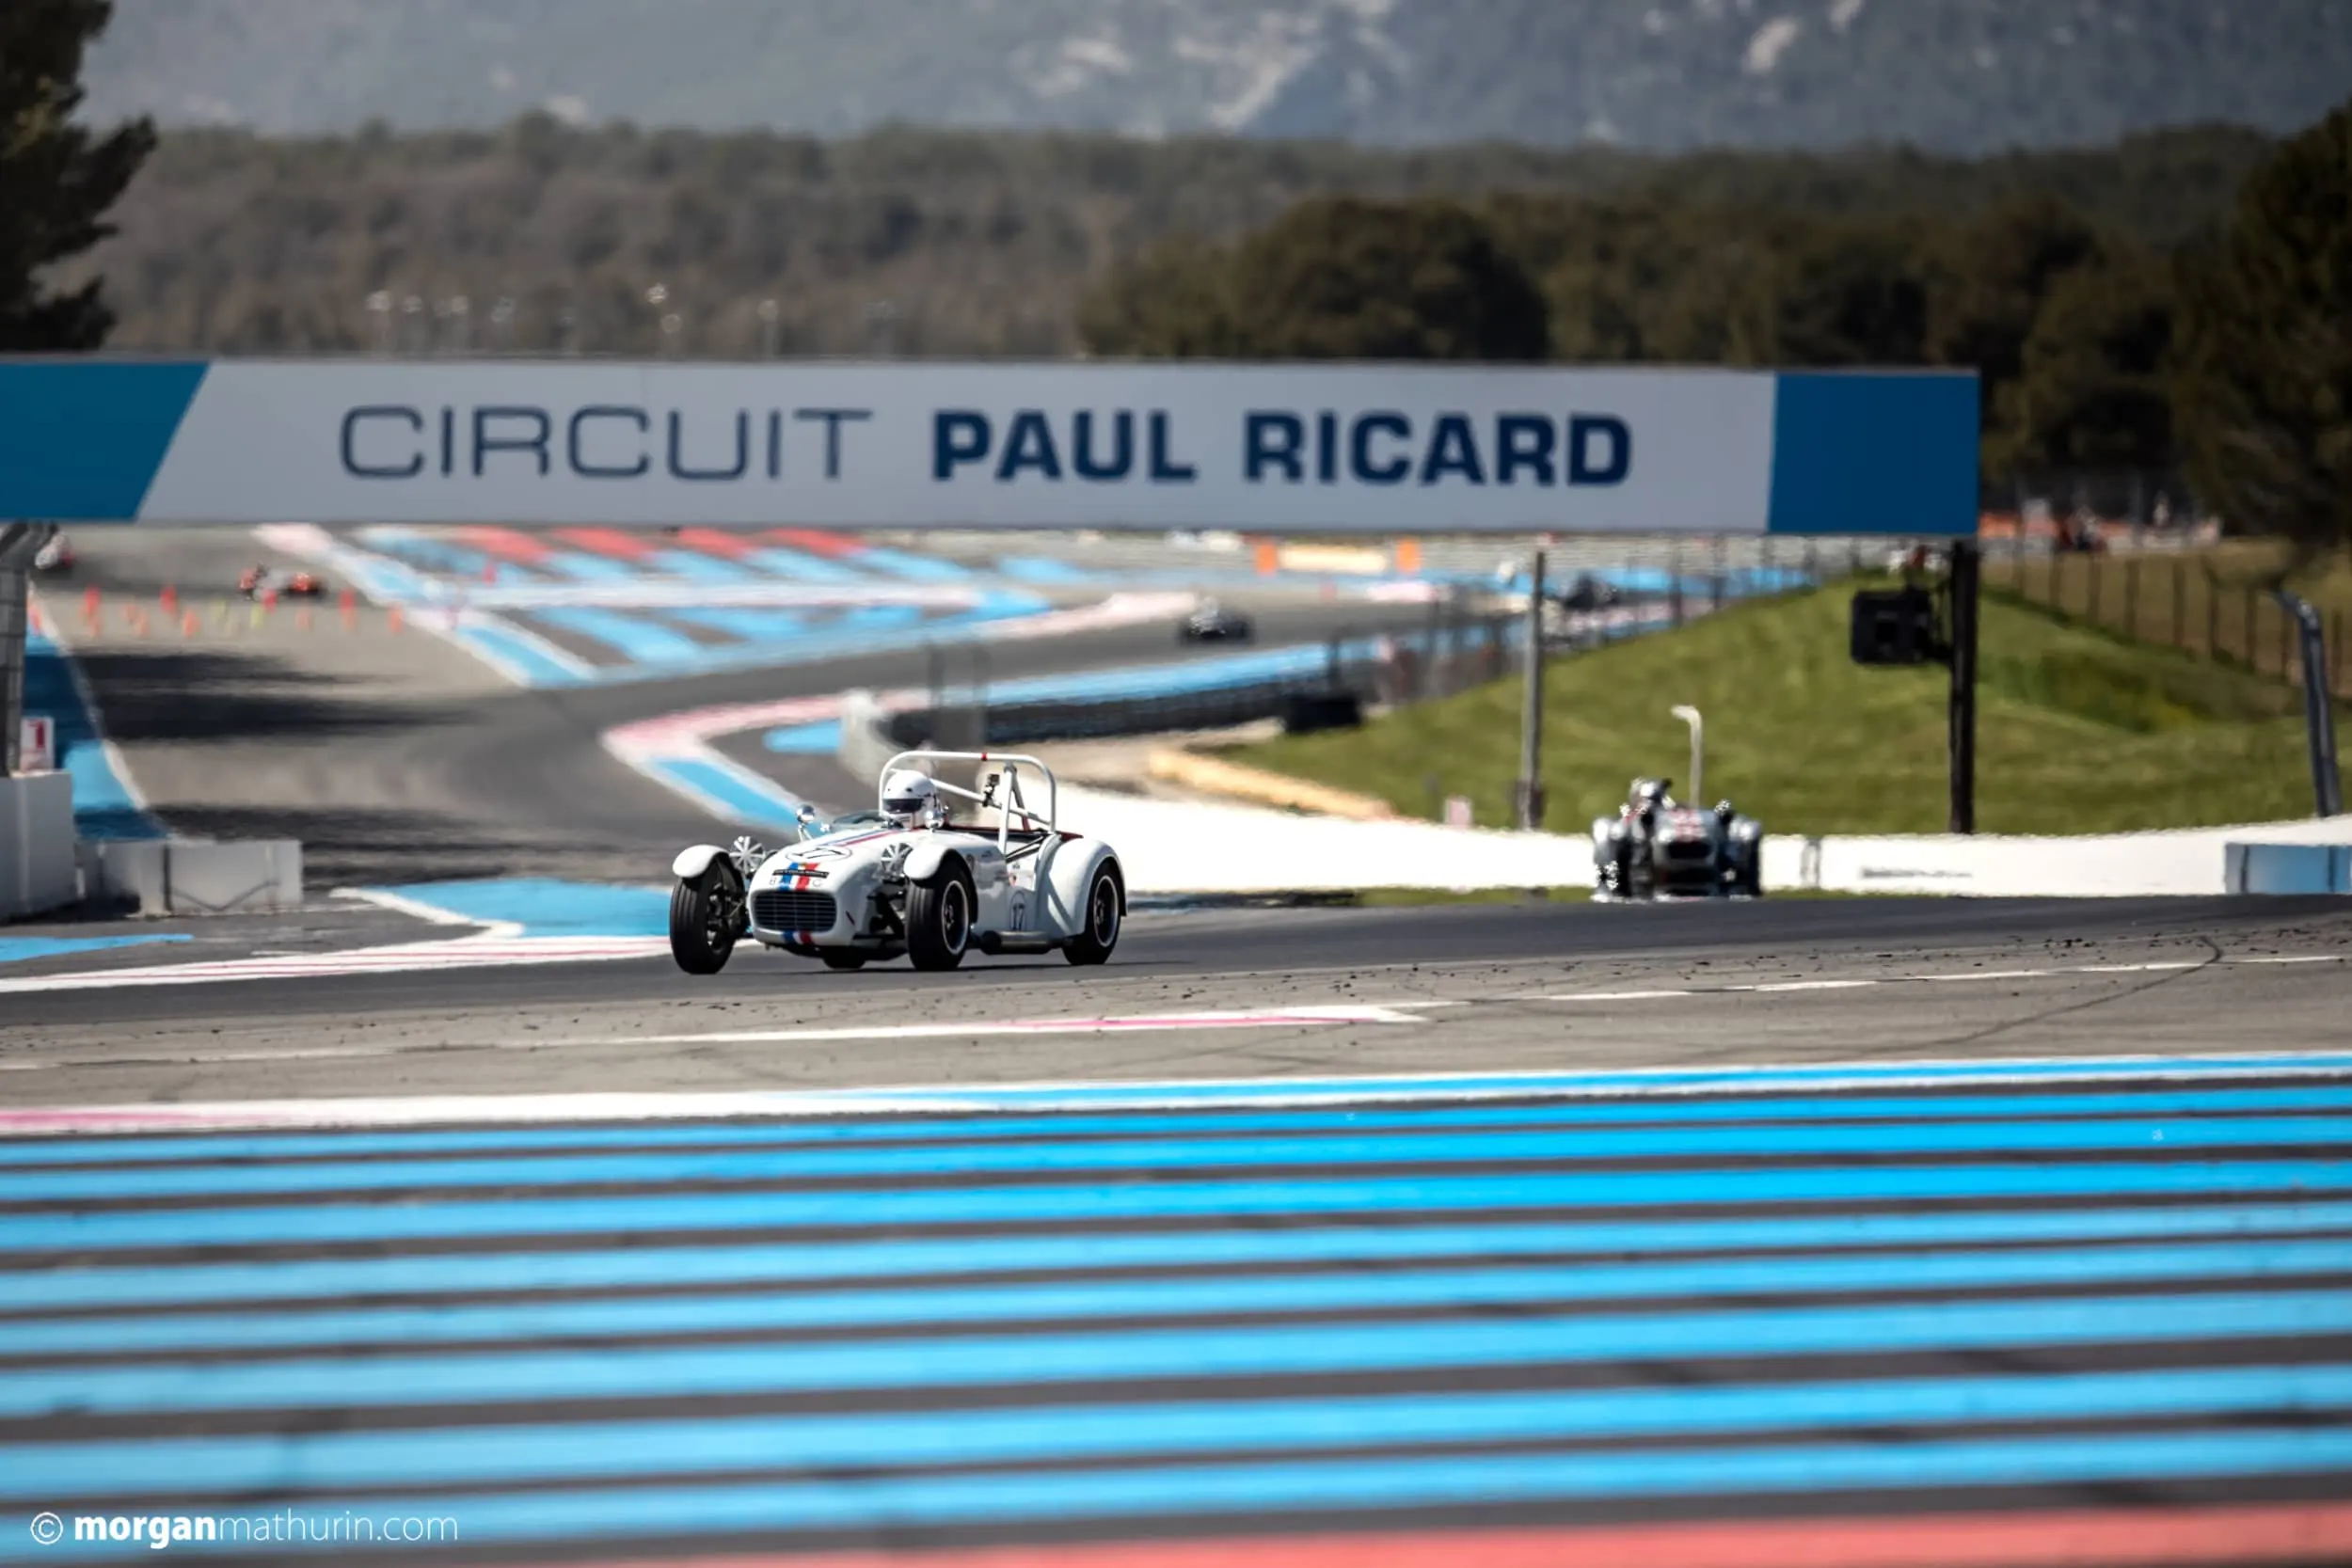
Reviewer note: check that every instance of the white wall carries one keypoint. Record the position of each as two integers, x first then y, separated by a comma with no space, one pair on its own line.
37,864
2191,861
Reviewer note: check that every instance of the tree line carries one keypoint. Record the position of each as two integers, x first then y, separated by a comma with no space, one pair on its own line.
2069,324
2228,352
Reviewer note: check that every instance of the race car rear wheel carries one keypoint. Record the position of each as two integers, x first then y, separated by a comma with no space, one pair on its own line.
705,917
1093,943
939,921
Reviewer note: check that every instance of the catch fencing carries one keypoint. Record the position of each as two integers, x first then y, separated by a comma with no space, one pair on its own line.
2217,605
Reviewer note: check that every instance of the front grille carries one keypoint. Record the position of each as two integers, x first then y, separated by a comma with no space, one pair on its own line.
780,909
1687,850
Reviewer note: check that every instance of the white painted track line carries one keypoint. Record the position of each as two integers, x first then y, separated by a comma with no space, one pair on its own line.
1160,1095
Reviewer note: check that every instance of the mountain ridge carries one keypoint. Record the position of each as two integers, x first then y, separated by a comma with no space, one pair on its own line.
1955,76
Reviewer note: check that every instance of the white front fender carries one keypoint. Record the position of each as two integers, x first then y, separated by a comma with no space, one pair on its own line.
923,861
692,862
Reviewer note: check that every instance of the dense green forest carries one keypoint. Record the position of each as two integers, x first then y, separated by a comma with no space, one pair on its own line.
2070,325
917,242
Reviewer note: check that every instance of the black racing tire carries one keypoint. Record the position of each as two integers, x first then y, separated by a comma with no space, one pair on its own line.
843,961
939,919
1101,915
1621,867
705,918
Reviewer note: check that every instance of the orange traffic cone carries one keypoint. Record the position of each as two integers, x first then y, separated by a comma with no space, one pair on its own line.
170,598
189,625
391,619
91,609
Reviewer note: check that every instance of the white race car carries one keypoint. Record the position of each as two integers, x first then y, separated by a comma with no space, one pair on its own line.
907,879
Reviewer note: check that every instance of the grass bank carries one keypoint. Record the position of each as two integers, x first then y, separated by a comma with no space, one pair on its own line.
2215,602
2079,731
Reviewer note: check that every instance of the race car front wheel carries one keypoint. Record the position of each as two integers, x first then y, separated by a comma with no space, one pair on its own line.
705,917
939,921
1093,944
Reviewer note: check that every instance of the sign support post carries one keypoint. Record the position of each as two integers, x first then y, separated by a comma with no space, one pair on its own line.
1966,564
19,543
1529,802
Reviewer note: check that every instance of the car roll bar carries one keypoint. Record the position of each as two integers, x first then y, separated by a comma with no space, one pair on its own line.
1008,779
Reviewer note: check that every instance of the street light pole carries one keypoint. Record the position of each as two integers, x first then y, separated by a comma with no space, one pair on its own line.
1698,752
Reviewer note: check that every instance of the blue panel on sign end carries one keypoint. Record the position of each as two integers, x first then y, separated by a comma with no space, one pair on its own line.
81,441
1875,452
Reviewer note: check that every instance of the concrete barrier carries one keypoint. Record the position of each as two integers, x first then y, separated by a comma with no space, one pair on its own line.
1180,846
36,869
2288,868
182,876
2191,861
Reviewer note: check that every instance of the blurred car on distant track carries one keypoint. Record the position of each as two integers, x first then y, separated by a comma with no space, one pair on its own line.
258,581
1589,593
56,558
1658,847
1212,622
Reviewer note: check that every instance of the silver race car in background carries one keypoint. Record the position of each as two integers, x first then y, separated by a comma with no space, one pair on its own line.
1658,847
908,879
1211,622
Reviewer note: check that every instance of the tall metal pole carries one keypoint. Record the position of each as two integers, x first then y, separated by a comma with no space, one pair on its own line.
2318,712
19,543
1966,564
1528,796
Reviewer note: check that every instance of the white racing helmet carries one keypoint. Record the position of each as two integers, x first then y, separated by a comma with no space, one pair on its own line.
910,798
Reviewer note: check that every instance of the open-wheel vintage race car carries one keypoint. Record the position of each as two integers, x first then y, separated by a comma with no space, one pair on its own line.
1658,847
909,878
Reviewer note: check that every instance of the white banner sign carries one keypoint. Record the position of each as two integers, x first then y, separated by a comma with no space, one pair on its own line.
1372,448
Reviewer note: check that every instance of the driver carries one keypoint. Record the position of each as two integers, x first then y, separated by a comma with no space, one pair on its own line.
911,799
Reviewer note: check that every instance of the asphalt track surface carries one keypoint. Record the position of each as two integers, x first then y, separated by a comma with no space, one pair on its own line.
453,774
401,759
1481,986
1954,1320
